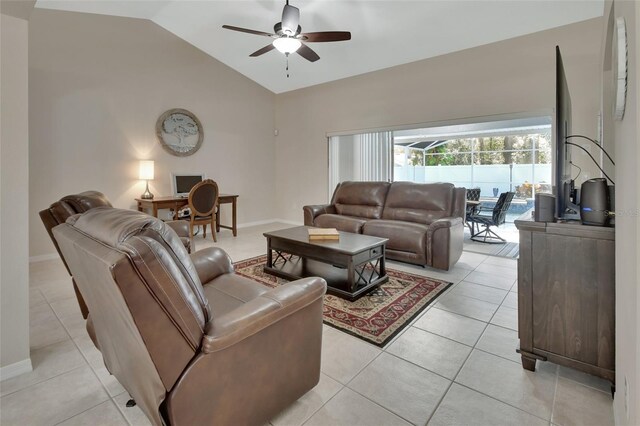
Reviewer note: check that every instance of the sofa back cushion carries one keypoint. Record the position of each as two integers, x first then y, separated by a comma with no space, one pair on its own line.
360,199
418,202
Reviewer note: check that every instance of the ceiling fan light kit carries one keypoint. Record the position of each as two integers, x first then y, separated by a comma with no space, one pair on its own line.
289,38
287,45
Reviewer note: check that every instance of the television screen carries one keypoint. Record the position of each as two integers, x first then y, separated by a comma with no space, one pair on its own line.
184,183
563,151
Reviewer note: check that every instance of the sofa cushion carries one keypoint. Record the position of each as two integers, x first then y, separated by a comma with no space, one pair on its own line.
419,203
403,236
341,223
360,199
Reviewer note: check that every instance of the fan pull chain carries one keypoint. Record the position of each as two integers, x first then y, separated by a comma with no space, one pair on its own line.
287,65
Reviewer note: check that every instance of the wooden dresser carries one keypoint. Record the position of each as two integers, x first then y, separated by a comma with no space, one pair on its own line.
566,296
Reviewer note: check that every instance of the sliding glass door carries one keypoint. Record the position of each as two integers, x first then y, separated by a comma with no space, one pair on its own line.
495,156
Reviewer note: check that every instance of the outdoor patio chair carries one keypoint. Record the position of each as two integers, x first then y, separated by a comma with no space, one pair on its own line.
473,195
497,218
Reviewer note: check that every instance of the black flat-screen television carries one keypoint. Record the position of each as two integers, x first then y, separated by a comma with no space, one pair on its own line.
565,209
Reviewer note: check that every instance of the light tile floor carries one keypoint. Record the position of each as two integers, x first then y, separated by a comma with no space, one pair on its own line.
456,363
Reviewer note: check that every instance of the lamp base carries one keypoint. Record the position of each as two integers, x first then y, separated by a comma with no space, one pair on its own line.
147,195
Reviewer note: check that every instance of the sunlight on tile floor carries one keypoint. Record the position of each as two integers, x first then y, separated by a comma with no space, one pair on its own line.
456,363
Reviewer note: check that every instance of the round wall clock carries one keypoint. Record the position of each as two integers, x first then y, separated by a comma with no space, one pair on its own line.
619,68
179,132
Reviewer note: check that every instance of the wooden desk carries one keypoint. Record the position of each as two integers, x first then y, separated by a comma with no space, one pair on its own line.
176,203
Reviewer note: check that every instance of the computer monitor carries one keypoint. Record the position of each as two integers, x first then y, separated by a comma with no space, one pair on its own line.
183,182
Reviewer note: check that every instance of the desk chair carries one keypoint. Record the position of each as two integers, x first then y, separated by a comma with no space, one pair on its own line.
498,214
203,202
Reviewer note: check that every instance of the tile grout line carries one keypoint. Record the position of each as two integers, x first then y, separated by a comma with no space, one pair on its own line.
120,410
66,372
381,406
82,412
46,346
111,398
318,409
365,397
482,393
45,380
453,340
502,402
84,357
555,394
608,393
453,380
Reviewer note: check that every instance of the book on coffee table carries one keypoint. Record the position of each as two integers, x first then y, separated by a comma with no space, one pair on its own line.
316,234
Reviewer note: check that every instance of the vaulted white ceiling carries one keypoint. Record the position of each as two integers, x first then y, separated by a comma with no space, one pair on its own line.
384,33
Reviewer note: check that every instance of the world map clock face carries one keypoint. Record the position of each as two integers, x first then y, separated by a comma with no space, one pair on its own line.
179,132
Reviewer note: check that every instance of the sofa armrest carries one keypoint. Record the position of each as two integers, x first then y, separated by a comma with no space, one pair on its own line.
210,263
311,212
445,242
261,312
446,222
181,227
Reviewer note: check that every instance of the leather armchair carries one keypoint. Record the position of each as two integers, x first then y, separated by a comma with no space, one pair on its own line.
192,342
70,205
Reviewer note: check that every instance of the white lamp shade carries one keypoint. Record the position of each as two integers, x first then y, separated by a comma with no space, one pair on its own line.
287,44
146,169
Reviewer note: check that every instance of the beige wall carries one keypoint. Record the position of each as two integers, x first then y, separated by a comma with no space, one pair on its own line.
627,179
14,198
98,85
515,75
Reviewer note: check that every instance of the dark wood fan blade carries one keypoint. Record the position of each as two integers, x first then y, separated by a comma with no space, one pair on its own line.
307,53
246,30
267,48
325,36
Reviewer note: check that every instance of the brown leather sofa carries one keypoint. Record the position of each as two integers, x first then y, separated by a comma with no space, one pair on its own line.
423,221
192,343
70,205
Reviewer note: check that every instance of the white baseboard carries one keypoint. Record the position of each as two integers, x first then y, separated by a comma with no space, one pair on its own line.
43,257
289,222
256,223
15,369
268,221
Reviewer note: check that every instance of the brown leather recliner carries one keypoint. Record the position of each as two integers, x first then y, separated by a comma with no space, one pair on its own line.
192,343
70,205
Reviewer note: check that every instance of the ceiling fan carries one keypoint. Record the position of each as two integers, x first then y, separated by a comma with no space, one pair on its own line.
289,38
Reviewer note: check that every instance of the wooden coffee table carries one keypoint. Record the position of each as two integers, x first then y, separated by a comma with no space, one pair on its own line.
352,266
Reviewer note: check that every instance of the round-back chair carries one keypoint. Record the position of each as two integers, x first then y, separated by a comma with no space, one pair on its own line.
203,202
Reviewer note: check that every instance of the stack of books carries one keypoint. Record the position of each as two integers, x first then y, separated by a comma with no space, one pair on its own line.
323,234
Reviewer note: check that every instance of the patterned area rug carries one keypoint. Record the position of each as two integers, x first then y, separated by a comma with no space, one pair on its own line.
376,317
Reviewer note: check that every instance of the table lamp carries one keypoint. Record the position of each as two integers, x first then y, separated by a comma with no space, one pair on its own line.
146,173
